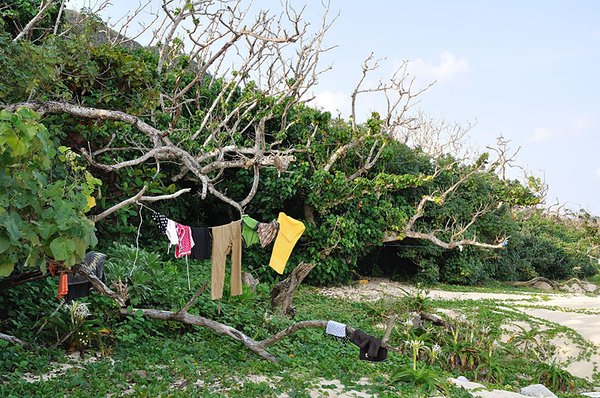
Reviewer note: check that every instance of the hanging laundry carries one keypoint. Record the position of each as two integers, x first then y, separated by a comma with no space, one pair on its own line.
335,329
79,285
171,232
201,248
184,247
160,221
267,232
226,239
249,230
52,267
290,230
63,285
370,347
186,242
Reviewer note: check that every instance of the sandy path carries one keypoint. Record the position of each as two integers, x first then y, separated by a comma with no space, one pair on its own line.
576,311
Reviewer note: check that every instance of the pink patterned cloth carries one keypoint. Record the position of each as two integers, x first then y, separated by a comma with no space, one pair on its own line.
186,242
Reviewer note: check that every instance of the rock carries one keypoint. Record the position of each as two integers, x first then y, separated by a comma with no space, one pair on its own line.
467,385
589,287
497,394
542,286
141,373
538,391
591,394
573,288
462,378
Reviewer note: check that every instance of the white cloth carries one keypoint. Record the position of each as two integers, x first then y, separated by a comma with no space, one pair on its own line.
336,329
172,232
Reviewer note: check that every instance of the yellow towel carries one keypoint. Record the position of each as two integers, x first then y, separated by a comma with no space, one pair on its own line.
290,230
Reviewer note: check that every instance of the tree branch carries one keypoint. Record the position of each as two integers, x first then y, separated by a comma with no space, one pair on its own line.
100,286
43,107
13,339
138,198
34,20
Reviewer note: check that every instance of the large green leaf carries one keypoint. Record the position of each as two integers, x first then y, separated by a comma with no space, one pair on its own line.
4,243
6,268
11,222
62,248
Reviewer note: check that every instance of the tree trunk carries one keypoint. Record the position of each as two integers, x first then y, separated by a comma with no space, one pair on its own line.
283,292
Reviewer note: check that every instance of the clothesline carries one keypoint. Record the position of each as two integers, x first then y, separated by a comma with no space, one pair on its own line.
221,241
143,205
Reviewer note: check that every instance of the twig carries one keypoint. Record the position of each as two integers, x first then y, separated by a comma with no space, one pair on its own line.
187,305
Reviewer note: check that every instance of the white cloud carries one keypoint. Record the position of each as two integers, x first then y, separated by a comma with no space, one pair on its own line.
541,134
447,67
576,126
332,101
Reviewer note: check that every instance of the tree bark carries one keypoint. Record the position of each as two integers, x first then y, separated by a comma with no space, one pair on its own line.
535,280
13,339
19,279
222,329
283,292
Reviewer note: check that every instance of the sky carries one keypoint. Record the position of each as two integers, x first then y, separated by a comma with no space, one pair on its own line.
523,70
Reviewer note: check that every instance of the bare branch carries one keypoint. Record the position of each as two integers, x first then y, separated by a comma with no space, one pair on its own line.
120,205
89,113
13,339
60,11
138,198
100,286
44,7
191,301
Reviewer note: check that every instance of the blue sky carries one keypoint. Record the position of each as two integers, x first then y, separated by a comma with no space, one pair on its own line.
524,70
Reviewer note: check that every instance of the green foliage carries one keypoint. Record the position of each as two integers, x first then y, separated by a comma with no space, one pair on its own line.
545,246
43,199
426,380
553,376
346,209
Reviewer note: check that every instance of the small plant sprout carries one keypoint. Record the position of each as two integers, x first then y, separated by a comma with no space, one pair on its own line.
455,334
78,311
434,353
416,346
408,325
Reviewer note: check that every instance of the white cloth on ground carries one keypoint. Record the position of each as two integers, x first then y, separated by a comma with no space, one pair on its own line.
336,329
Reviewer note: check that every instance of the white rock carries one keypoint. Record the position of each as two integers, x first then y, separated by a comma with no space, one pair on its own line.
468,385
542,286
538,391
497,394
462,378
591,394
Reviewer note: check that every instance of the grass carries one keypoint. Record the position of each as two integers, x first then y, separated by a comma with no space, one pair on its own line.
152,358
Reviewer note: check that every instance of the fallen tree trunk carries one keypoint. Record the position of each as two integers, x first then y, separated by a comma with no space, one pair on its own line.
286,290
222,329
535,280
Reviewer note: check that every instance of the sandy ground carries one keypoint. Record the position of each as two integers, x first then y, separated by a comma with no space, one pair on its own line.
563,309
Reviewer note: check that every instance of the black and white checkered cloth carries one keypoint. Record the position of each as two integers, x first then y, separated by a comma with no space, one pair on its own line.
161,222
